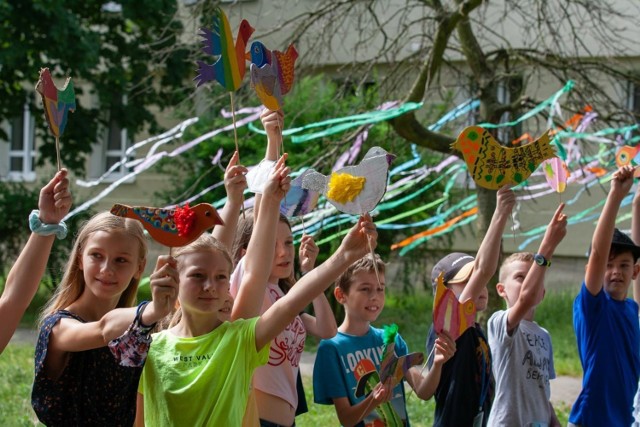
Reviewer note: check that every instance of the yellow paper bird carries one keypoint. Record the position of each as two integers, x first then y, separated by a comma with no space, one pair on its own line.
491,165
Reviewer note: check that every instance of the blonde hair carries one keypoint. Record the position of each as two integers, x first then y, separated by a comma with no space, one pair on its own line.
515,257
72,284
366,263
241,242
205,243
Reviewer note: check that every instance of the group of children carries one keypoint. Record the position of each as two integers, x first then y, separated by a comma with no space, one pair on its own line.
229,354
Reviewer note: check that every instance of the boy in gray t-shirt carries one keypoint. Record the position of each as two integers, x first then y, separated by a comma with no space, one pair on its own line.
522,353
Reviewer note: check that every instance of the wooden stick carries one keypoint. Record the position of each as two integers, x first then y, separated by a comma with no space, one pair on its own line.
58,153
235,138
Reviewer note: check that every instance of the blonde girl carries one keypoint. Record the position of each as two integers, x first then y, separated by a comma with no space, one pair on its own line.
199,371
77,379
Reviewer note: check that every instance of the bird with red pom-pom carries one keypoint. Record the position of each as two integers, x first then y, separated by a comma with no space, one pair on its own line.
172,227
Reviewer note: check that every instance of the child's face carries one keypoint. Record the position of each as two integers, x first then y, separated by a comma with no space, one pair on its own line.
204,282
284,254
621,270
509,288
365,298
109,261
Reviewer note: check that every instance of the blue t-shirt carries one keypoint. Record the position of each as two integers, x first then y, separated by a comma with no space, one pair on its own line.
608,338
335,372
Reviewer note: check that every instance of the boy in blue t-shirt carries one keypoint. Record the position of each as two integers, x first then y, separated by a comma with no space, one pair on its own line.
606,321
358,347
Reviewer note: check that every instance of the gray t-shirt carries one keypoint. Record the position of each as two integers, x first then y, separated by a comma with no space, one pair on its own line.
522,367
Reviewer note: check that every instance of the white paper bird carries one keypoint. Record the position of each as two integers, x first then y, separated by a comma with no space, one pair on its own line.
354,189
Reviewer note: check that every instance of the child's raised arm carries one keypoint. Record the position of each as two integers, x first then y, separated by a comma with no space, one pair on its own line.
260,251
425,386
273,122
71,335
353,247
234,183
486,261
532,290
601,243
25,275
323,324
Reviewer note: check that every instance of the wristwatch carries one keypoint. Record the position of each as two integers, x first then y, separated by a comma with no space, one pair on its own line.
541,260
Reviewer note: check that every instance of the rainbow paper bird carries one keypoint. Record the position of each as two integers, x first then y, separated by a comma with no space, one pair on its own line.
491,165
272,73
354,189
556,173
57,102
230,67
172,227
449,314
628,155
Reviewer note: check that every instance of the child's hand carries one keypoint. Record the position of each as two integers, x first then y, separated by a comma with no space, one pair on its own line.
235,180
273,122
622,180
445,348
362,238
164,289
308,253
279,180
556,230
55,199
505,199
382,393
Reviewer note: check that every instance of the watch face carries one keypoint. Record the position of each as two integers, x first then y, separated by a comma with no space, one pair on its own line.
539,259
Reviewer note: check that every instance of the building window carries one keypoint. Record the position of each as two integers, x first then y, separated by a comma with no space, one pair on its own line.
22,150
509,90
116,147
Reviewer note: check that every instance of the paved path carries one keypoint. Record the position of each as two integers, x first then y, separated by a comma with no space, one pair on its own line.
563,389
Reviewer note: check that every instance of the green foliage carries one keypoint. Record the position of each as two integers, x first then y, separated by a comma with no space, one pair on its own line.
16,377
134,53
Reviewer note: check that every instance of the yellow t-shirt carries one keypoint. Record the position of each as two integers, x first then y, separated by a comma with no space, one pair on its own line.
201,381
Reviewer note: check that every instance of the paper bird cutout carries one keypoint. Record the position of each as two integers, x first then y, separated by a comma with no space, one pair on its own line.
272,73
556,173
367,378
172,227
449,314
354,189
299,201
628,155
258,176
230,67
492,165
57,102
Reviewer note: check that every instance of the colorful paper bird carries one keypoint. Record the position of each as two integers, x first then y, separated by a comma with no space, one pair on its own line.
172,227
556,173
392,370
449,314
492,165
628,155
354,189
57,102
272,73
299,201
230,67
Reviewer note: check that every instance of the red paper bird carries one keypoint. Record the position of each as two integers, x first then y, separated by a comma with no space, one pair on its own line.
272,73
172,227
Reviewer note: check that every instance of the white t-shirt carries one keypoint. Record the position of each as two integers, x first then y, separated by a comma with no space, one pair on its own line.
522,367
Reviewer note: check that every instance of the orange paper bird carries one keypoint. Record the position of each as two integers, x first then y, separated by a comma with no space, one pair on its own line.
449,314
491,165
272,73
172,227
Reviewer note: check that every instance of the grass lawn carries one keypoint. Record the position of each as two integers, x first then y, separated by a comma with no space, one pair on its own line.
410,313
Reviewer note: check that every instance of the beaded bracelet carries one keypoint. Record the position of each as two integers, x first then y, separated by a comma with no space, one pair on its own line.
36,226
